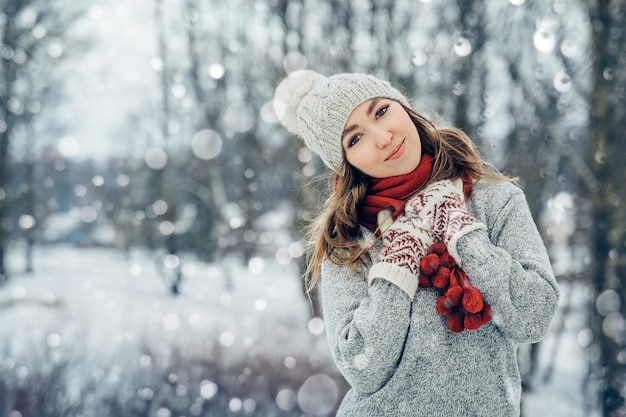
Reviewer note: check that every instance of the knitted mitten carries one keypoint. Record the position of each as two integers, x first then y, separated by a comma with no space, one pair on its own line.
405,242
459,302
441,205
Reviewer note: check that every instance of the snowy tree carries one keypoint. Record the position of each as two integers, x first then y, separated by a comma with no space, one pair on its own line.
34,36
605,155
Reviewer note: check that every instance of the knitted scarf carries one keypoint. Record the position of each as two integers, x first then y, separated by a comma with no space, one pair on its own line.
391,193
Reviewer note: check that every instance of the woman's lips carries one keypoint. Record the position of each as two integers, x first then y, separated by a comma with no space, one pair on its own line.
396,152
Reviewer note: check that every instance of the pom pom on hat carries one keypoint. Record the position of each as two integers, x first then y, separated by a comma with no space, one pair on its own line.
289,94
316,108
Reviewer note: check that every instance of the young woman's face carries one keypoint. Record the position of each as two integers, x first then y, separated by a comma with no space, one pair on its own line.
381,140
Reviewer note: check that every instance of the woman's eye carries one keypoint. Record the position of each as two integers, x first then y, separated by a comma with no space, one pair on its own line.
353,140
380,112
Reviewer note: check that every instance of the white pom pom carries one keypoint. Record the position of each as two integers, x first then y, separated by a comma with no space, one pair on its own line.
289,94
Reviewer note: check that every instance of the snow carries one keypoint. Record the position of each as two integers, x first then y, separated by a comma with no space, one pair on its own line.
100,327
561,392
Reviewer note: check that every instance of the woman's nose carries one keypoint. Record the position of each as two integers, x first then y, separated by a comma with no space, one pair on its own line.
383,138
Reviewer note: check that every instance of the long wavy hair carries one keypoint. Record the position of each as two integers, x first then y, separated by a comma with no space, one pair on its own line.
335,234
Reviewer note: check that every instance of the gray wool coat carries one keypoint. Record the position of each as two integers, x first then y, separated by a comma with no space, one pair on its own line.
398,355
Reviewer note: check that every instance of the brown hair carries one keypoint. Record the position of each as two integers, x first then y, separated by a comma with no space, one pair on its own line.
336,234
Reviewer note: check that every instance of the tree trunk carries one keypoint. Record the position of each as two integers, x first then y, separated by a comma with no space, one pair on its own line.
162,183
4,174
607,238
7,69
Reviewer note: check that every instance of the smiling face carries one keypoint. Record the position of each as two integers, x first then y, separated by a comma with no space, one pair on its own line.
381,140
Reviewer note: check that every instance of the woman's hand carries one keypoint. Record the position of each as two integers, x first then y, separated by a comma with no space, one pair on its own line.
405,242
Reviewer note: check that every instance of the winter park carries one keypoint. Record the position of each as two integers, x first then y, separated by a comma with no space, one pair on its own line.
153,209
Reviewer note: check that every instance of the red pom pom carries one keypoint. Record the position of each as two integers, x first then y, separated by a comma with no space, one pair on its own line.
453,295
486,313
429,264
441,278
472,300
455,322
439,248
424,281
444,308
472,321
445,259
461,304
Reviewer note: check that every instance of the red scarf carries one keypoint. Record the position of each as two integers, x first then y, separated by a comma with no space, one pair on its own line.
391,193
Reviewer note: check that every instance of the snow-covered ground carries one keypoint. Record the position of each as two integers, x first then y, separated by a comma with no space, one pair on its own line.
93,331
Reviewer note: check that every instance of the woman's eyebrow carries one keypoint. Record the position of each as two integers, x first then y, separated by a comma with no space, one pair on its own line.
373,104
370,109
348,130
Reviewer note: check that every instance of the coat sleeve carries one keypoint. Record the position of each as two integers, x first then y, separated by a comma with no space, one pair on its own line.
509,264
366,325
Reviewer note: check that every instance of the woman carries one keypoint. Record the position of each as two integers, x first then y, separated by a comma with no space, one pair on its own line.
432,269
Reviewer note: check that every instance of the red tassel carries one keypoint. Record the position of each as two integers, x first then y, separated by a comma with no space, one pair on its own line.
486,314
461,304
447,260
429,264
455,322
439,248
472,298
444,308
424,281
441,278
454,277
472,301
453,295
472,321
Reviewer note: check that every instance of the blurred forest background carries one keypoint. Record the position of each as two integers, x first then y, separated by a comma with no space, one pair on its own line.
174,148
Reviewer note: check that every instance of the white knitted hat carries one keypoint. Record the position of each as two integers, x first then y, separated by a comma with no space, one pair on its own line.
316,108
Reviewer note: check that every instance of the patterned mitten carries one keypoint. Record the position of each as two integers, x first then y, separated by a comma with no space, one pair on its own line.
405,242
441,205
